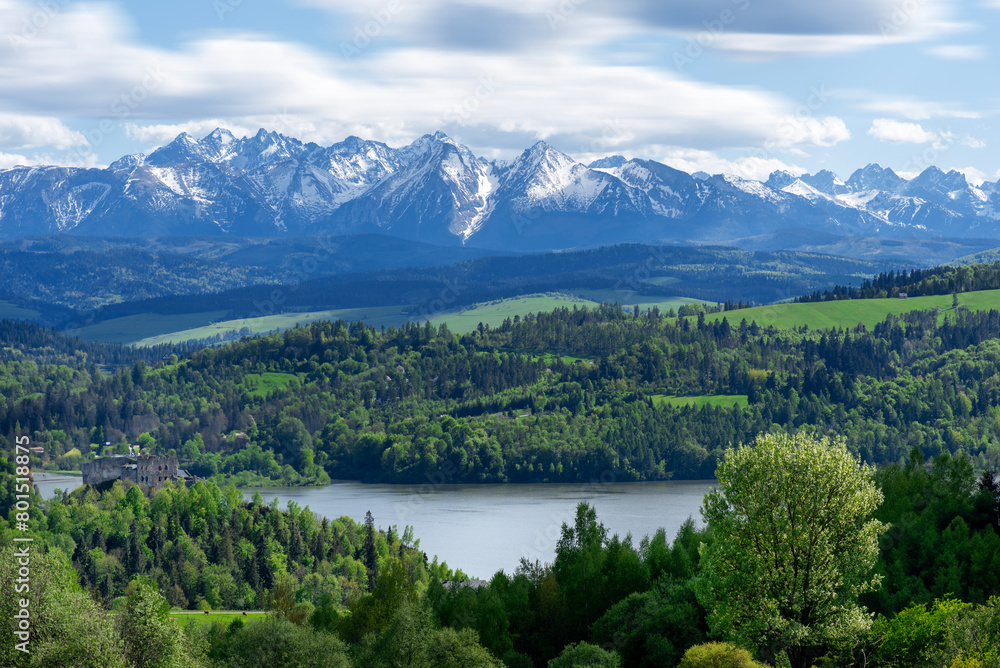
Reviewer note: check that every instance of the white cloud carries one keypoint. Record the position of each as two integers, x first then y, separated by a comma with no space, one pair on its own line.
164,133
958,51
912,108
973,175
779,28
885,129
889,130
75,158
8,160
810,131
86,64
749,167
19,131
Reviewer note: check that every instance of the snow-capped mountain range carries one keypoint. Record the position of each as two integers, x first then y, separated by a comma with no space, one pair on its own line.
436,190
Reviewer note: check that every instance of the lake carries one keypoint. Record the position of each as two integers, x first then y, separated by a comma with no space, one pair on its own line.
485,528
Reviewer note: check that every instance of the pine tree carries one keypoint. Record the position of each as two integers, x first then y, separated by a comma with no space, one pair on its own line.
370,555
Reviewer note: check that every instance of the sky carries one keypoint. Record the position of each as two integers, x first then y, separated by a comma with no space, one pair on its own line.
735,86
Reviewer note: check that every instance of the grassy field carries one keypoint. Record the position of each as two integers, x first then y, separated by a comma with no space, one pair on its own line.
376,317
133,328
224,616
628,299
8,310
265,383
848,313
662,280
152,329
494,313
723,400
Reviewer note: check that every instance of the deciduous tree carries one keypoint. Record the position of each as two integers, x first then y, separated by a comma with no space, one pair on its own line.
794,544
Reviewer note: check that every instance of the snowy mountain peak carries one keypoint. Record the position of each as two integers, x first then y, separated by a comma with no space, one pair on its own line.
127,162
437,190
610,162
184,148
874,177
780,179
220,136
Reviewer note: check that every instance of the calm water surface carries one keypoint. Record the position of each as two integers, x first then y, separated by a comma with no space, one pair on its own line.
485,528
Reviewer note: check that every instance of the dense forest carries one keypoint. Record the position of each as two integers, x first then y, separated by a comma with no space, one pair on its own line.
342,594
26,341
944,280
572,395
713,274
88,279
73,283
562,396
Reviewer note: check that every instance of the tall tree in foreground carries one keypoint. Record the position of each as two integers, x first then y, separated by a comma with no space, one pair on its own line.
794,544
369,552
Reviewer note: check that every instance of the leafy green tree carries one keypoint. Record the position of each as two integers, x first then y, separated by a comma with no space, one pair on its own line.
449,648
67,627
718,655
919,630
585,655
793,546
150,639
274,642
653,628
371,612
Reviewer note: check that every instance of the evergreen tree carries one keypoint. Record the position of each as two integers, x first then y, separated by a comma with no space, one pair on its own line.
369,552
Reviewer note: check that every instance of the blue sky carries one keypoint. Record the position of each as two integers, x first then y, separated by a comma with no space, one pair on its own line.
742,86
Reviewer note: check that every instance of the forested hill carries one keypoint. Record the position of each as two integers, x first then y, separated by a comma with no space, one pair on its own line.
565,396
943,280
26,341
709,273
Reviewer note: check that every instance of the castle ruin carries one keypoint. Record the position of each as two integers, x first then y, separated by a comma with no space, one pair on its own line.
148,470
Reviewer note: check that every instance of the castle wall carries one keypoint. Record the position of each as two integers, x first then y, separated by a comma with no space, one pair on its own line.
103,470
147,470
152,471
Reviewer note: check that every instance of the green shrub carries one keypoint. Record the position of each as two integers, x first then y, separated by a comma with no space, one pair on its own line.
585,655
718,655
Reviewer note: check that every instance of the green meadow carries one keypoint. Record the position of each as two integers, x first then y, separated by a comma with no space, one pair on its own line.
224,616
716,400
850,312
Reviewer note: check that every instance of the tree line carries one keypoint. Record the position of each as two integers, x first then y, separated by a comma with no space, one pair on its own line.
562,396
942,280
